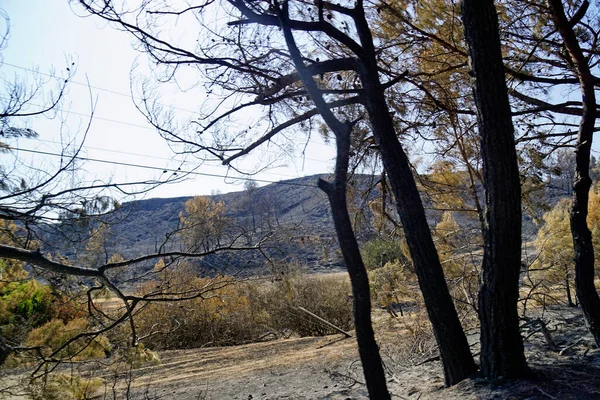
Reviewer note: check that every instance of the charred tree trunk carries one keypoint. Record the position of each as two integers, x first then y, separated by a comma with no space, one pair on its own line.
454,349
452,343
336,192
365,337
582,237
5,349
501,343
568,287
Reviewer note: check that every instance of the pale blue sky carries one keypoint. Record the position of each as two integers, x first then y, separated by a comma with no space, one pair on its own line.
48,35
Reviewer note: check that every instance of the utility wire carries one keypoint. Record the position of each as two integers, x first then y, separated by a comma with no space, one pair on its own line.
130,96
164,170
84,147
154,157
116,121
148,128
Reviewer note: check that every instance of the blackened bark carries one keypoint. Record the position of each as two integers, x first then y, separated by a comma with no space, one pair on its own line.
336,192
582,237
568,287
452,343
5,349
501,343
365,337
453,346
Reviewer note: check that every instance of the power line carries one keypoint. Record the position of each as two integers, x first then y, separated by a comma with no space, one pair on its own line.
130,96
156,157
144,127
152,129
147,156
164,170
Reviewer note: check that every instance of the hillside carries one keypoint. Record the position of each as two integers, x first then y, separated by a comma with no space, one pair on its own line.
294,214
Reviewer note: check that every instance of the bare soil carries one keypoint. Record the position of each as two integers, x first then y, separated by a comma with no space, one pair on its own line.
328,367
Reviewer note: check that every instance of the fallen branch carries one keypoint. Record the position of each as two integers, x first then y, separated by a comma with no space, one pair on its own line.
575,343
430,359
547,394
329,324
546,332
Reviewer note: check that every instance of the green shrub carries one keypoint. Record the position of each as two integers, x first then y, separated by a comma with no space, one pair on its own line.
65,387
25,301
26,305
54,334
391,283
378,252
139,356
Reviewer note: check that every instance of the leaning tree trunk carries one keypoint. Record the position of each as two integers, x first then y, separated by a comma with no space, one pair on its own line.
501,343
336,192
453,346
365,337
582,237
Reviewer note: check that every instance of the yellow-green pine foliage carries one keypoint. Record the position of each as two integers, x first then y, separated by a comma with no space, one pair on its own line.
54,334
65,387
554,242
203,223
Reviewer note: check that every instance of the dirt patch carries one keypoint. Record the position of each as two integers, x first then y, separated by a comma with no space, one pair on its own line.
289,368
328,367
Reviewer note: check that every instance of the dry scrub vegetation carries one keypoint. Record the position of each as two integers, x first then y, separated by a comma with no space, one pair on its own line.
248,338
246,311
233,312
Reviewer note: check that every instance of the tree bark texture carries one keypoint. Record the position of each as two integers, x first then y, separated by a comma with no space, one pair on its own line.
5,349
453,346
582,237
365,336
501,343
336,193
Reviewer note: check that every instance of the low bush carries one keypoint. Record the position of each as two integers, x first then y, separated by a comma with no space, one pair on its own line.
139,356
328,296
25,301
221,315
65,387
26,305
55,334
378,252
392,283
242,312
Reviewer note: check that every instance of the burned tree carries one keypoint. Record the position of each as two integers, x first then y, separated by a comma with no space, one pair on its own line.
582,237
501,343
248,59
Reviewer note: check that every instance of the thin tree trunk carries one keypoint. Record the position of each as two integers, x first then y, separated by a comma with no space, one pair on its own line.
501,343
365,337
453,346
568,287
472,184
5,349
582,237
336,192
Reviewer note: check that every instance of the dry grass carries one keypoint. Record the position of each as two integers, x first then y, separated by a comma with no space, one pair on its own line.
328,367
